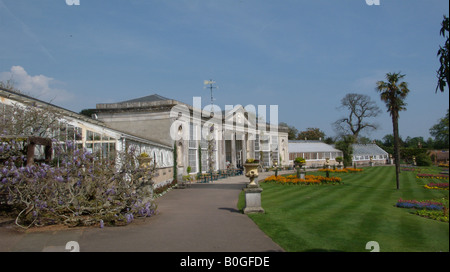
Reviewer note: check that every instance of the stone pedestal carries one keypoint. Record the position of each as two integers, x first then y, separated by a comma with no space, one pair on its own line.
253,200
302,174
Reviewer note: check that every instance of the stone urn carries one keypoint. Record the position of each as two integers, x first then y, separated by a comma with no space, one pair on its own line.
251,171
144,161
253,191
300,170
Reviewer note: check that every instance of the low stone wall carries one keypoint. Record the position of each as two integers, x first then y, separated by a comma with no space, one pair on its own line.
163,176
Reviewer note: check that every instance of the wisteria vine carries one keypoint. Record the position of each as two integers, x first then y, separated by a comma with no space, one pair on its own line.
79,188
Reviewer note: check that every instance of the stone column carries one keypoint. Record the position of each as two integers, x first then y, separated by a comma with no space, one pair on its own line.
233,150
244,148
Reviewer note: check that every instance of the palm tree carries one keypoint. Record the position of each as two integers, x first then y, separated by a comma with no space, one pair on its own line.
443,74
393,92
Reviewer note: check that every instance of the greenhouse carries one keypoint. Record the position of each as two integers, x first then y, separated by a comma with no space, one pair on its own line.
314,152
366,154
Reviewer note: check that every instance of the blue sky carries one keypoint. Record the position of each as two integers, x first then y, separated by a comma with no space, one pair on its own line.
302,55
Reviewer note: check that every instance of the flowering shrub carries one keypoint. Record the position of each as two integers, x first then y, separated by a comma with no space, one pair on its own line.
300,160
309,179
81,189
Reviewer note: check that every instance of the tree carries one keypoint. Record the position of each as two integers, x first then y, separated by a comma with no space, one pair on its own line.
388,140
415,142
346,146
292,131
364,140
360,108
87,112
443,74
393,93
440,131
311,134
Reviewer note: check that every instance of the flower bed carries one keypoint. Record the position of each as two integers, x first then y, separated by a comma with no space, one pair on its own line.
410,169
415,204
438,186
435,215
432,176
432,209
345,170
308,180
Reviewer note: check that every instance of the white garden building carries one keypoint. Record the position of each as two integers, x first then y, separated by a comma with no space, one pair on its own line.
314,152
365,154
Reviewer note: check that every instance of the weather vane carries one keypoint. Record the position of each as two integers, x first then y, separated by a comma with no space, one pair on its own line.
210,85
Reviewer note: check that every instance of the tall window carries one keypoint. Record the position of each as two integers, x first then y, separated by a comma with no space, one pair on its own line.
204,160
256,156
192,153
193,159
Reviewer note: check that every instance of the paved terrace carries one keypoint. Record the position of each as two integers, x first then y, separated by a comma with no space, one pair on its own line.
202,218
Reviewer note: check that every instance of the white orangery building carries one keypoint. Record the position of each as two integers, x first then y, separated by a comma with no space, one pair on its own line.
219,139
158,126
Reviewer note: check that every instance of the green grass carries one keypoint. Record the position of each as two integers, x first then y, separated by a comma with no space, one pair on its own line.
346,217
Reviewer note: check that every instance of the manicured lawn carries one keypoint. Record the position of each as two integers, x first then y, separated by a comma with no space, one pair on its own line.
346,217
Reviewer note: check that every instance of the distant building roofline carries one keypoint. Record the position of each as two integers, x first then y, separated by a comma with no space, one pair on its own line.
148,98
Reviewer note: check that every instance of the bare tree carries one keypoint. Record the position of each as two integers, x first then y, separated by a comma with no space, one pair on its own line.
360,108
28,118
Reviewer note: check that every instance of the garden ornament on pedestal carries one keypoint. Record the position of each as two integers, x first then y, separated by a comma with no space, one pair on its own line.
299,162
253,191
275,164
327,166
251,171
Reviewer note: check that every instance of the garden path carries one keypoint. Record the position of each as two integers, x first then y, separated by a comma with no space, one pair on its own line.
202,218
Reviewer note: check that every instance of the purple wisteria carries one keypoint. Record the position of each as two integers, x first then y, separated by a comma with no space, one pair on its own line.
77,188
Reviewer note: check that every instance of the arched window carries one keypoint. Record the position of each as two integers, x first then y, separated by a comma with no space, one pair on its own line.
154,157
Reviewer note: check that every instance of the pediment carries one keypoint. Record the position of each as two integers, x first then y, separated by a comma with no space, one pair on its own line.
240,117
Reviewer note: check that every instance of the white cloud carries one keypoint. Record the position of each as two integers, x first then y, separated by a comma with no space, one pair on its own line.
39,86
